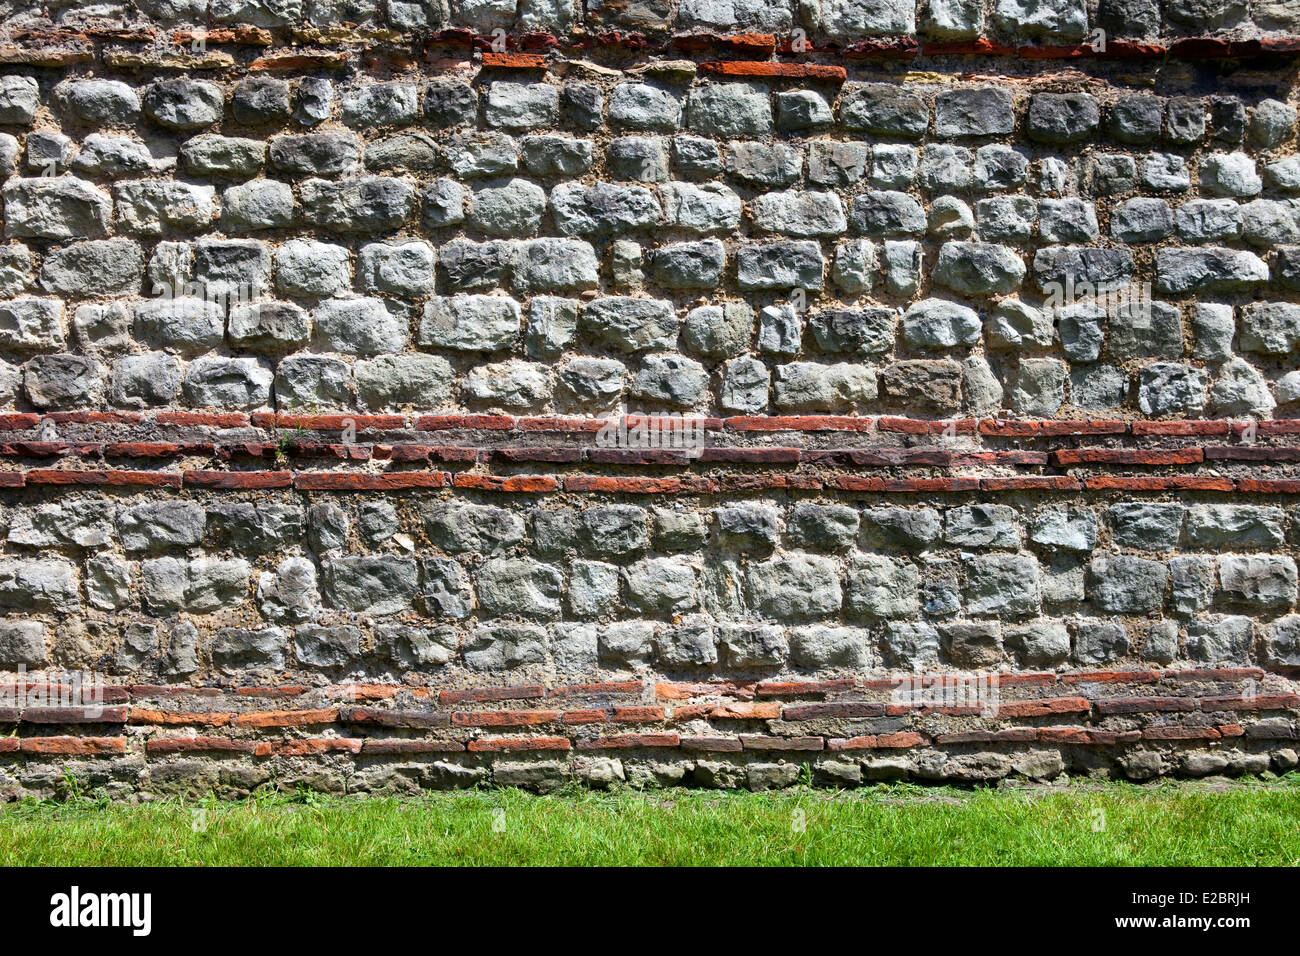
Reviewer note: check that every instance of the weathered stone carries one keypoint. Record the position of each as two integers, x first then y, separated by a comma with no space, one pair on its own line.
1127,585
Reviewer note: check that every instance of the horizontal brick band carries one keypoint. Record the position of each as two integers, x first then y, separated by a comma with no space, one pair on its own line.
374,426
338,481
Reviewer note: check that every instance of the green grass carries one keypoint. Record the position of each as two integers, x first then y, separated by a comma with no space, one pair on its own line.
1083,824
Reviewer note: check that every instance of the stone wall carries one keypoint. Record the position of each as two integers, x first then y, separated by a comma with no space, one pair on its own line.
424,396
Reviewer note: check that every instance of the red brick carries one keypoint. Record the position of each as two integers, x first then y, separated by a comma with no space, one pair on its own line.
1259,702
75,715
753,44
554,455
288,718
94,418
454,36
201,419
670,690
977,47
910,485
1201,47
170,718
1251,453
1186,428
925,426
774,456
1050,429
802,688
1269,486
809,71
514,61
1280,44
1214,674
538,41
585,716
491,694
1158,483
359,481
800,423
248,449
17,421
652,422
1129,49
306,748
857,483
891,48
640,486
522,484
884,683
146,479
1026,680
440,423
1031,483
520,744
1127,456
12,479
50,449
424,453
933,457
1110,677
1273,426
239,479
1043,708
408,719
300,62
745,710
607,688
637,715
815,72
1054,52
364,691
242,35
503,718
73,746
336,450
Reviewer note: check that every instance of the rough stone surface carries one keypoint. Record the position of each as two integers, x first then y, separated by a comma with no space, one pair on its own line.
610,422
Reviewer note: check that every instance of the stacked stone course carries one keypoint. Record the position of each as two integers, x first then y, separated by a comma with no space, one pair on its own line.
314,319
